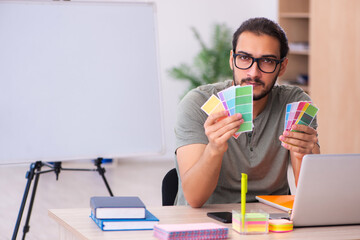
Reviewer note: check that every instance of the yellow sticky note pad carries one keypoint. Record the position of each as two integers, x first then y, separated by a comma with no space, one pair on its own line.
213,105
280,225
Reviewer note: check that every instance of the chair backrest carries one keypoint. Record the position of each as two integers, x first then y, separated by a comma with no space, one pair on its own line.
169,187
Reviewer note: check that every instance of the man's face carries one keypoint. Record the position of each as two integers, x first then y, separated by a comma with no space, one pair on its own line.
257,46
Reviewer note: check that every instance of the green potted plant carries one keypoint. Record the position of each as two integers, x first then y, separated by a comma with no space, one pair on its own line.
211,64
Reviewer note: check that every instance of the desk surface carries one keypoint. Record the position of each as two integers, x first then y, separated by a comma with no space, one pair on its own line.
76,224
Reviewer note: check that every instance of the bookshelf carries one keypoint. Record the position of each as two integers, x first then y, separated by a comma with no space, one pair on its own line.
332,30
334,69
294,18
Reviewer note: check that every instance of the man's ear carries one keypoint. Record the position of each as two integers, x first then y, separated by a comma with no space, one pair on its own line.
283,66
231,60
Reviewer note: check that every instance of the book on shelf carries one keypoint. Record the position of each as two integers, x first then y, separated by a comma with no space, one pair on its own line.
117,207
190,231
283,202
122,224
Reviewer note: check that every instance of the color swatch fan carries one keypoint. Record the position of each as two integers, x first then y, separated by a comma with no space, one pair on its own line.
235,99
302,113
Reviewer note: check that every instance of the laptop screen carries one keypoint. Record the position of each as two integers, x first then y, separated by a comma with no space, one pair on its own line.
328,191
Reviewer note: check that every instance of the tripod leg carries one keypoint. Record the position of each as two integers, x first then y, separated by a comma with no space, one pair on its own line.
101,171
29,176
36,181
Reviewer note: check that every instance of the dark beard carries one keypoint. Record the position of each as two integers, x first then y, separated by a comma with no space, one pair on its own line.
258,81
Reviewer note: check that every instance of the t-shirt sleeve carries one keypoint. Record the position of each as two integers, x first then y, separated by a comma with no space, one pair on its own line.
189,127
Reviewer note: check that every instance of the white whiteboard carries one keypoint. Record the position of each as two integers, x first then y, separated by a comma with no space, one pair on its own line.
78,80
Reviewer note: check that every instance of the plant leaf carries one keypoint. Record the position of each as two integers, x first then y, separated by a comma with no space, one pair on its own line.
211,64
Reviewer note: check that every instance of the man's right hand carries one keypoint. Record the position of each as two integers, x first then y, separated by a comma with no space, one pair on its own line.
219,128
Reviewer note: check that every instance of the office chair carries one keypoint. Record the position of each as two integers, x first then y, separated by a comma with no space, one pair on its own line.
169,187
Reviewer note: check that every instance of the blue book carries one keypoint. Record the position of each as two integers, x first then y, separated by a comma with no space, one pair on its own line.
147,223
117,207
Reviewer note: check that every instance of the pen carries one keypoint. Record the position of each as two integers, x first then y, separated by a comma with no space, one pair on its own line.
243,198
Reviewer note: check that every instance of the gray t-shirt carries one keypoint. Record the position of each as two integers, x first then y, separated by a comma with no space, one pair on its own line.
259,153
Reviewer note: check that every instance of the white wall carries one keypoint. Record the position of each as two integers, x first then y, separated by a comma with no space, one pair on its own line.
178,45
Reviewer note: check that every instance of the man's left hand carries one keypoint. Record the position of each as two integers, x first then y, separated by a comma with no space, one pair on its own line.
302,142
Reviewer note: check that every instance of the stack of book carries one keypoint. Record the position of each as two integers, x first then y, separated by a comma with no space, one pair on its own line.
190,231
121,213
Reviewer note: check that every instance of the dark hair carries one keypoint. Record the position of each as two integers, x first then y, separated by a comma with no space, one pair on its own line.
263,26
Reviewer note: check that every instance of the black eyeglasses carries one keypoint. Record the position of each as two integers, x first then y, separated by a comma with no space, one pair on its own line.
265,64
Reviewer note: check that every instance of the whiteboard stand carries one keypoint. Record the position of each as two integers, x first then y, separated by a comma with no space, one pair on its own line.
35,170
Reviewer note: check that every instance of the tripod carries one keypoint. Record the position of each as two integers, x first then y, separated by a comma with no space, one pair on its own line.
35,171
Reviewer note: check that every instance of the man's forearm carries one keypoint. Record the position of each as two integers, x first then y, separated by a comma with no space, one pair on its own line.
200,180
296,162
200,164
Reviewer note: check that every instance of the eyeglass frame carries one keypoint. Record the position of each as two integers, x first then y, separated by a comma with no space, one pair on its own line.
257,61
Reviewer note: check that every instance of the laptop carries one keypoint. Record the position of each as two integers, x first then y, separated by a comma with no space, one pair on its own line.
328,191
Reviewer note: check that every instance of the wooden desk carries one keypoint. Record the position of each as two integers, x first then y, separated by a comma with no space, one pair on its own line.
76,224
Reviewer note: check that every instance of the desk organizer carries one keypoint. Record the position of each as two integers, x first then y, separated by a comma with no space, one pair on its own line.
254,223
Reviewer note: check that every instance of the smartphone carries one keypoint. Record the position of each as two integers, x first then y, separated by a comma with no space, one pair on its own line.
225,217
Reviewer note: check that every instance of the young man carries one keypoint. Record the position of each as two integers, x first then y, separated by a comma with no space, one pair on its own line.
209,160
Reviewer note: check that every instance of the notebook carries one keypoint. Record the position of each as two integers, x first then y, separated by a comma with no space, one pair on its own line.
190,231
327,191
122,224
283,202
117,207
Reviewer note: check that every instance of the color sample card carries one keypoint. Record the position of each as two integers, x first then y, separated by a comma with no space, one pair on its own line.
213,105
291,108
227,98
287,115
299,113
234,100
244,105
307,115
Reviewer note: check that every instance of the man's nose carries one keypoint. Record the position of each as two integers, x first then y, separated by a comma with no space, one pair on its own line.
254,71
